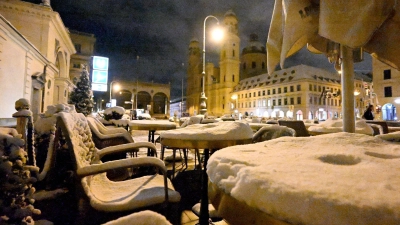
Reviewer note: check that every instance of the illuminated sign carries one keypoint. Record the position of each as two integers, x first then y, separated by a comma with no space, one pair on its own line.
100,63
100,76
99,87
99,73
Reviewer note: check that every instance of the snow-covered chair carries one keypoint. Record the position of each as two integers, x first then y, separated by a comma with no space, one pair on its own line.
381,123
105,195
146,217
104,136
272,132
297,125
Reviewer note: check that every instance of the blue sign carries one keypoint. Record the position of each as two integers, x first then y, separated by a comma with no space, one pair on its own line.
100,63
100,76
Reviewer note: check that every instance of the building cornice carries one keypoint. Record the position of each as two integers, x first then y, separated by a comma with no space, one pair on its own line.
41,11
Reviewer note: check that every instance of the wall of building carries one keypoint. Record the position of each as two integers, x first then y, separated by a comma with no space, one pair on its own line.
19,61
380,82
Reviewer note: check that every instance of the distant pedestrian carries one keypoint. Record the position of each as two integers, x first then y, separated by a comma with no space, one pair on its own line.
368,115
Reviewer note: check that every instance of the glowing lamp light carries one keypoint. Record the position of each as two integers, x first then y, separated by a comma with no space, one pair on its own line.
217,34
397,101
116,87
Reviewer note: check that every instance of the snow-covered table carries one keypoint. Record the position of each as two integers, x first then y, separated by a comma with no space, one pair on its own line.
212,136
336,125
338,178
152,126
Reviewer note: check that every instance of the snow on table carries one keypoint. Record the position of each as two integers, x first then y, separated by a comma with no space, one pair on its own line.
228,130
338,178
336,125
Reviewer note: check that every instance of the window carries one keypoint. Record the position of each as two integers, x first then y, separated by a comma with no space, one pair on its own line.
253,65
273,102
298,87
245,95
233,53
233,78
285,101
388,91
254,104
279,101
284,89
273,91
269,102
310,87
299,100
279,90
387,74
291,88
223,106
77,65
264,93
310,100
269,92
259,93
78,48
292,101
319,88
315,87
254,94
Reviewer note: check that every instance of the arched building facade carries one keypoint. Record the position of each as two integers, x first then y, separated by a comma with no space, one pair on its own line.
151,97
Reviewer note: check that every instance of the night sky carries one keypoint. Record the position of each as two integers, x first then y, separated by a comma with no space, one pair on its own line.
149,39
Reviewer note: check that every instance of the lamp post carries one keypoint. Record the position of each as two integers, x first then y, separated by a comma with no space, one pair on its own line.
203,98
111,89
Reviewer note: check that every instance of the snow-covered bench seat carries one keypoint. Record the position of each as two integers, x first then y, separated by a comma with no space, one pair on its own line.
106,195
339,178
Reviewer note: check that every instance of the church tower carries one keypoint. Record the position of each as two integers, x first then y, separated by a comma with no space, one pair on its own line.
193,88
220,99
254,58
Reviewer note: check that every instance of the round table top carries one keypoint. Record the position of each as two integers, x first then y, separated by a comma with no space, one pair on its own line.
202,144
151,125
208,136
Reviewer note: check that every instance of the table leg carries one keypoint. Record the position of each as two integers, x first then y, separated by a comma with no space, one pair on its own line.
173,162
151,139
204,215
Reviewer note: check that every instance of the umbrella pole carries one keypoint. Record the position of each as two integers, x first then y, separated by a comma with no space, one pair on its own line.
347,89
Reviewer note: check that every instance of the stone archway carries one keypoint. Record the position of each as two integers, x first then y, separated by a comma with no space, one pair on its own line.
143,100
160,103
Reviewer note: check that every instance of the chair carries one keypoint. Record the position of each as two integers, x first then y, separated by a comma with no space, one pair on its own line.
382,123
377,128
105,195
104,137
272,132
297,125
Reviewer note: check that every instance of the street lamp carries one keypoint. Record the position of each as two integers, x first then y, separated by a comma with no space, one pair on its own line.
111,89
217,34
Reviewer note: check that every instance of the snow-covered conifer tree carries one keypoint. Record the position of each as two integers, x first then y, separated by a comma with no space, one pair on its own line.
82,95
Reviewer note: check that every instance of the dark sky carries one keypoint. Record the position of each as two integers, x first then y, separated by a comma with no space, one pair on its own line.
149,39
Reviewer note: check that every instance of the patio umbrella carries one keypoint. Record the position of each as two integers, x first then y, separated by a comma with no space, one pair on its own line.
336,28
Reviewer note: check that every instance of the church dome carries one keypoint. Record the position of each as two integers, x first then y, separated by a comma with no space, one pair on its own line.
254,46
230,13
